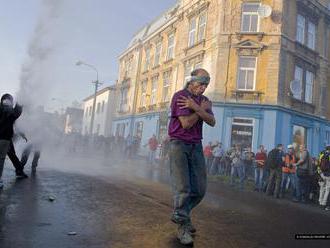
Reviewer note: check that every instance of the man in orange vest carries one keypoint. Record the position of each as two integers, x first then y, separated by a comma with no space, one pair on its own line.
288,171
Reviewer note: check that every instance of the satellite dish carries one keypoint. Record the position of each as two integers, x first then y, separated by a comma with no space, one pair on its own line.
264,11
295,87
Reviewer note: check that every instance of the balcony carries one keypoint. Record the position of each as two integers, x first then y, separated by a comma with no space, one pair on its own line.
142,109
164,105
247,95
152,107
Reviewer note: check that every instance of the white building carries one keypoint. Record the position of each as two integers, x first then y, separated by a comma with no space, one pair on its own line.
104,108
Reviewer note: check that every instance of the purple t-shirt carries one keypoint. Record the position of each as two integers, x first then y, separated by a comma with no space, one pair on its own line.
192,135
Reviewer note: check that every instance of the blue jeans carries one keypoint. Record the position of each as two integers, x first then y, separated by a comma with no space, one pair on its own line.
292,177
188,178
258,177
240,173
302,188
151,156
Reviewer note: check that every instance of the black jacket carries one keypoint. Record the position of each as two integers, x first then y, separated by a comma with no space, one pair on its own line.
7,120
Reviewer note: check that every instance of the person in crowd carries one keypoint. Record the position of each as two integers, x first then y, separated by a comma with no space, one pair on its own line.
275,161
226,160
324,165
260,160
303,168
152,144
248,162
237,167
217,153
189,110
165,148
19,168
288,172
8,115
208,156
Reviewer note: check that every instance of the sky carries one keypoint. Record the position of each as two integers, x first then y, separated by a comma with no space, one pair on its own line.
41,40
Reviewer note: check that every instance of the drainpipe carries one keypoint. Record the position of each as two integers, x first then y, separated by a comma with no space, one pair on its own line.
136,90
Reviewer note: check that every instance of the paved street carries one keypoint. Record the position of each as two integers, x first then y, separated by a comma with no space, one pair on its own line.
128,204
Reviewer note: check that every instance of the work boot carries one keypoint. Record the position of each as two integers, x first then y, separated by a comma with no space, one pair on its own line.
184,236
21,175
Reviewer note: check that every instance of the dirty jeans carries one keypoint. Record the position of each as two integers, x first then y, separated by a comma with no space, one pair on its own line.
188,178
275,177
4,146
258,177
292,178
237,171
324,190
151,156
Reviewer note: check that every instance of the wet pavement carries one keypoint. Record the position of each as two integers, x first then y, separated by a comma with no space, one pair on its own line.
112,203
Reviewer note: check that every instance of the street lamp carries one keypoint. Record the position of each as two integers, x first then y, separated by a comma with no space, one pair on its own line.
97,84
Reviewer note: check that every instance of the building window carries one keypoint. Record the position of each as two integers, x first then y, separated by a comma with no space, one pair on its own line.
197,27
170,47
166,86
90,110
242,132
327,138
120,130
143,93
154,83
139,128
123,100
309,87
190,66
306,78
202,26
300,36
103,104
192,31
128,67
246,73
250,17
158,50
311,35
306,32
98,109
299,136
147,59
298,76
86,111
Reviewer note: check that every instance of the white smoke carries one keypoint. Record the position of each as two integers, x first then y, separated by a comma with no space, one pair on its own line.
34,89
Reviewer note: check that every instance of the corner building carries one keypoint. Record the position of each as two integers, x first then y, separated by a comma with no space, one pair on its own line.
253,60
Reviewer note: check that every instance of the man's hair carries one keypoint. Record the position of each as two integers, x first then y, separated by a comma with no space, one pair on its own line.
279,145
195,72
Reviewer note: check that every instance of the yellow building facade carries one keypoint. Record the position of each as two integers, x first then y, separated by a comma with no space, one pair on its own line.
269,67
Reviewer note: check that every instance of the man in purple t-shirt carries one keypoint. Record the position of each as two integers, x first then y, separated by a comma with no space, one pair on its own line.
189,110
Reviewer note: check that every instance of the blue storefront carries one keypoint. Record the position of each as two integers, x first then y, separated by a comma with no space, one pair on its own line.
253,125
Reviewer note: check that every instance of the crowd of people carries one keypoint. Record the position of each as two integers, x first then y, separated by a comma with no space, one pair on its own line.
279,173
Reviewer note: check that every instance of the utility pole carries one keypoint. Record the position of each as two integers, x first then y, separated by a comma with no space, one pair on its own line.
97,84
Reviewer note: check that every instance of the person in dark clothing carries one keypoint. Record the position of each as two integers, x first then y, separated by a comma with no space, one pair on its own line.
275,161
8,115
19,168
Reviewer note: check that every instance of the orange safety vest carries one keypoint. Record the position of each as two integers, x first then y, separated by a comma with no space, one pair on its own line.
287,161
